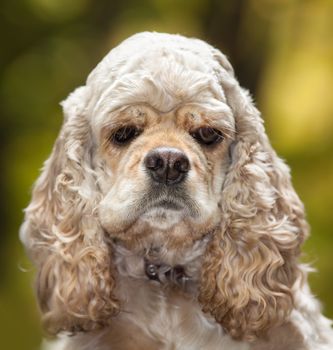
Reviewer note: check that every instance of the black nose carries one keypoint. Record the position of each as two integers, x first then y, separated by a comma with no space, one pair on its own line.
167,165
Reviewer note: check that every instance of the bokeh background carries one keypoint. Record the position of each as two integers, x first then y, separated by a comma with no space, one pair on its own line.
282,50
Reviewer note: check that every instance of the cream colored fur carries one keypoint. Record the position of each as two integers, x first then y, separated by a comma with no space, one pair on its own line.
95,215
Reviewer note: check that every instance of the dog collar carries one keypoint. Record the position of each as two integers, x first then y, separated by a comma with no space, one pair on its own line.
165,273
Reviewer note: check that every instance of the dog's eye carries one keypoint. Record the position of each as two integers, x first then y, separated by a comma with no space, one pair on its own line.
125,134
207,136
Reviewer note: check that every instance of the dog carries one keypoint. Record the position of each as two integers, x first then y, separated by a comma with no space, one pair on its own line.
163,218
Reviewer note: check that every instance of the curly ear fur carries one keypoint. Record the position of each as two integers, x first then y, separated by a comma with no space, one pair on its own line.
251,264
62,235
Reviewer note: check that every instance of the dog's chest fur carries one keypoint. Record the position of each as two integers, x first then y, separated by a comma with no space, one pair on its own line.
161,313
157,314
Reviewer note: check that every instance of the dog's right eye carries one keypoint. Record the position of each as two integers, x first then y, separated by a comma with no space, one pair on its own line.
124,135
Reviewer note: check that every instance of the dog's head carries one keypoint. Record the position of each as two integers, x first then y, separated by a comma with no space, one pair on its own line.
162,146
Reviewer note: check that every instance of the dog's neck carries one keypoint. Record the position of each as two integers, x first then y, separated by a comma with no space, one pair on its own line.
176,268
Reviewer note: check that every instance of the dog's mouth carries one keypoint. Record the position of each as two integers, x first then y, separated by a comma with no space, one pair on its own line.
166,208
168,199
167,204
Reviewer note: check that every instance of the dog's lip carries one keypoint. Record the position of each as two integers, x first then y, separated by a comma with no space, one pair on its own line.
167,204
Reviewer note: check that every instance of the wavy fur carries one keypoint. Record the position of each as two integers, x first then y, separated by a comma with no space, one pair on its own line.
251,264
75,276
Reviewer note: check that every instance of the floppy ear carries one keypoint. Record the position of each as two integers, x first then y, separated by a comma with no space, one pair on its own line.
62,235
251,264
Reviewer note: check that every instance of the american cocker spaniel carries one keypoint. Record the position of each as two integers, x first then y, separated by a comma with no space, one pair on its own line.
163,218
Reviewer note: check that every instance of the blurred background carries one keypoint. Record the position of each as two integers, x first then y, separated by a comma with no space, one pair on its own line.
282,50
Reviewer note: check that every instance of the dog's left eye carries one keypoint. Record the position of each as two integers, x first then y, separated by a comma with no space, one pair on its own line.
125,134
207,136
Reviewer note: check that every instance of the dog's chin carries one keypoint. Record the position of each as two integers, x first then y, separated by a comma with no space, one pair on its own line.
163,218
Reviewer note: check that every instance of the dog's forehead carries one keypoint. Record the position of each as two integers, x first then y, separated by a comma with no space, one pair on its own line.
143,44
161,70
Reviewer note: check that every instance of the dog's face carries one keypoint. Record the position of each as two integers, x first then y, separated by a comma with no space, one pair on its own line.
167,168
164,150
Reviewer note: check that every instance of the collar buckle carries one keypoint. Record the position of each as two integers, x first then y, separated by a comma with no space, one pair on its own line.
165,273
